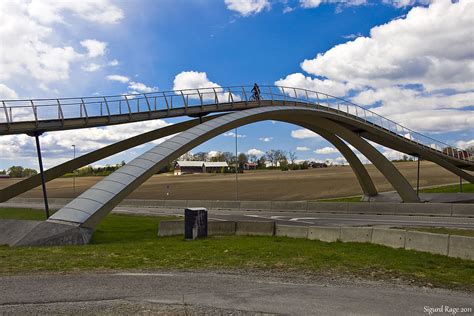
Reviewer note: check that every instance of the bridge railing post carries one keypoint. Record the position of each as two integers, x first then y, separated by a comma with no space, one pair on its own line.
271,94
166,101
35,113
60,112
215,97
148,104
83,105
129,108
296,96
107,108
6,114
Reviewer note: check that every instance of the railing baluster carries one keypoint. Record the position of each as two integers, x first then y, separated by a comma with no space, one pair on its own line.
6,115
216,100
166,100
200,99
296,96
34,112
60,112
85,110
107,108
231,97
284,95
185,102
271,94
147,103
129,108
245,96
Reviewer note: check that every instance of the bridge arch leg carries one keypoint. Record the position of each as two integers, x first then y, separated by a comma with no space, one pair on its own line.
396,179
366,183
93,205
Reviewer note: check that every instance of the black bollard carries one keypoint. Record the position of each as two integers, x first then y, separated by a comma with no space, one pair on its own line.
195,223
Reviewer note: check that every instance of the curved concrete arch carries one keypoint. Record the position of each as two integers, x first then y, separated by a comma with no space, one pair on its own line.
20,187
96,155
360,171
425,154
93,205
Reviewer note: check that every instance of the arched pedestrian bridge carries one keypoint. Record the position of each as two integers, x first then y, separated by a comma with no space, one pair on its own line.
216,110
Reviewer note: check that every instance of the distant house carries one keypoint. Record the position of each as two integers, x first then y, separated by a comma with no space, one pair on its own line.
182,167
250,166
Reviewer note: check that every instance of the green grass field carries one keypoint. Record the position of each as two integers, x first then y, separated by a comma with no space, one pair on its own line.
129,242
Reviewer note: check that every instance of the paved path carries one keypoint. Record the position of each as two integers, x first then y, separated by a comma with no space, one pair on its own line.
205,291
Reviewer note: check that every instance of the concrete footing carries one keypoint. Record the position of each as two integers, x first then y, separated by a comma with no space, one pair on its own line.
40,233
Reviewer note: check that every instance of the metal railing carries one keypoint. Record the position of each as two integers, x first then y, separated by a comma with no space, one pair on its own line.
36,110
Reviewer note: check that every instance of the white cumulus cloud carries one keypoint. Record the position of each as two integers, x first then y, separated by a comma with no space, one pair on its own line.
255,152
94,48
247,7
302,148
326,151
265,139
304,133
119,78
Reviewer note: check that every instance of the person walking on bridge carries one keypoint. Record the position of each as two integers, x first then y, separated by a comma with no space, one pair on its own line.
256,92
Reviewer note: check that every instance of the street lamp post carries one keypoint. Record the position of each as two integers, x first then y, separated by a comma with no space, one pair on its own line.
236,169
74,172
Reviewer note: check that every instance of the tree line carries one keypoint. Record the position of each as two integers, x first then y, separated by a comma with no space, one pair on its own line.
272,159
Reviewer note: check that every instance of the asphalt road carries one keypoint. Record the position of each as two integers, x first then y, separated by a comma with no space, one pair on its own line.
316,219
296,218
207,292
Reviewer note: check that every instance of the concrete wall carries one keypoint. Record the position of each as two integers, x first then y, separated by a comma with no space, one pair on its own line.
422,209
434,243
291,231
394,238
255,228
461,247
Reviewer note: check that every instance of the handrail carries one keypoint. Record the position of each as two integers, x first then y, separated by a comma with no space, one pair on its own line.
36,110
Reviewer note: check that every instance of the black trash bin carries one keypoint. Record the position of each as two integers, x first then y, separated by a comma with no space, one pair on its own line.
195,223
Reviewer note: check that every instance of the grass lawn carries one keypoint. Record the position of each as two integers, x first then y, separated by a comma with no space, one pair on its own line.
343,199
466,188
130,242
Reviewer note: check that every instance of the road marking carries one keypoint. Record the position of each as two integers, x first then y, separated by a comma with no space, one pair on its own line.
300,218
144,274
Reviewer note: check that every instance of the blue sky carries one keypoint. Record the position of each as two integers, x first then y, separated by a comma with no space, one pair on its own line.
412,61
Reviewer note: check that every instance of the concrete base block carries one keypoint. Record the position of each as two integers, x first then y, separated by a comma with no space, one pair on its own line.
291,231
356,234
198,203
12,230
171,228
434,243
255,228
328,234
221,228
358,208
289,205
256,205
42,233
226,205
394,238
424,209
176,204
463,210
383,208
327,207
461,247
